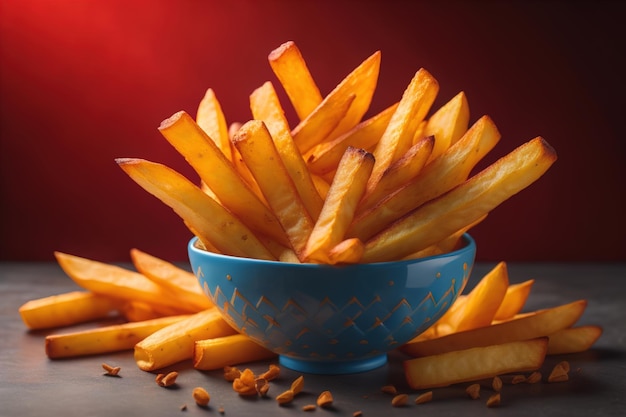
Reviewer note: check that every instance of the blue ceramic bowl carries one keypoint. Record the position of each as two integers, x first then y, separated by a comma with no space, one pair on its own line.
332,320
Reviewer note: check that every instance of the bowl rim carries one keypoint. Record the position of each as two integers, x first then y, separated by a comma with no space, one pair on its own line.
469,244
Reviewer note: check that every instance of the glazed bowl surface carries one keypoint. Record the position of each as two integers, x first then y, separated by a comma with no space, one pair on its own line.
332,319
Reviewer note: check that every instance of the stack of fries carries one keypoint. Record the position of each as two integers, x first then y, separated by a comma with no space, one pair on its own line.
334,189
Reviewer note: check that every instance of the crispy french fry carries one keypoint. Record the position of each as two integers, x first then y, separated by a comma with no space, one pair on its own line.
325,157
106,339
401,171
482,302
464,204
398,137
182,283
175,342
214,225
115,281
514,300
219,174
293,73
446,172
216,353
266,107
345,192
347,251
476,363
67,309
360,83
313,130
141,311
211,120
573,339
539,324
448,124
257,148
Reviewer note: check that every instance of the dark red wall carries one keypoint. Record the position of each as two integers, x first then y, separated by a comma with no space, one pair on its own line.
84,82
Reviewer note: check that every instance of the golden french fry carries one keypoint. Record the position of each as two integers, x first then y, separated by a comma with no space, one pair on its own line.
216,353
441,175
67,309
448,124
219,174
416,100
476,363
106,339
482,302
360,83
293,73
539,324
141,311
324,158
214,225
343,196
266,107
401,171
514,300
175,342
464,204
313,130
180,282
257,148
211,120
573,339
347,251
115,281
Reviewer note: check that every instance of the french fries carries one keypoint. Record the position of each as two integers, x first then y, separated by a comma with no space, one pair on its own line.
67,309
333,189
539,324
174,343
443,369
107,339
218,352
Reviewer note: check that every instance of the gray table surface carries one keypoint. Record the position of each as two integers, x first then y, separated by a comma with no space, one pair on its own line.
33,385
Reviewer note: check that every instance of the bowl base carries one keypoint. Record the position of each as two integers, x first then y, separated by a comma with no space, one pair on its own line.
333,368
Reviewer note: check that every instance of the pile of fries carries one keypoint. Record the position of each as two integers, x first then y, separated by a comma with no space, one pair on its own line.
336,189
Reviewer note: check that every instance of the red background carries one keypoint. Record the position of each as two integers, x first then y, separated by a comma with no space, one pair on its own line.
84,82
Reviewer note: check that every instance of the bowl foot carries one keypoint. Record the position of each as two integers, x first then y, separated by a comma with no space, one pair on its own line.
333,368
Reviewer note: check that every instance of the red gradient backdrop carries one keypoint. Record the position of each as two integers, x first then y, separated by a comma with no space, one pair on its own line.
84,82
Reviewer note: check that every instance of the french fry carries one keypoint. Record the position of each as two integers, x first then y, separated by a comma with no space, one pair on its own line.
514,300
321,122
266,107
219,174
211,120
360,83
475,363
464,204
345,192
539,324
182,283
347,251
401,171
324,158
448,124
115,281
214,225
107,339
293,73
141,311
446,172
175,342
67,309
573,339
257,148
416,100
216,353
482,303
